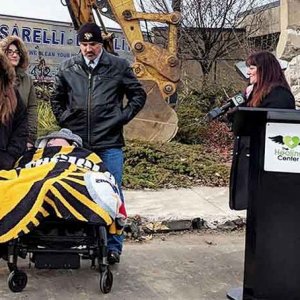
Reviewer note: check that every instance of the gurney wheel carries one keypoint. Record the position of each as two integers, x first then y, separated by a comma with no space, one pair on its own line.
17,281
106,281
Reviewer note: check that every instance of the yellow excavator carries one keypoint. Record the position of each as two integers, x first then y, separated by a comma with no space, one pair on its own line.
157,68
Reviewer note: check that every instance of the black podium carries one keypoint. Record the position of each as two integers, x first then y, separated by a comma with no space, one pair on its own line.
267,158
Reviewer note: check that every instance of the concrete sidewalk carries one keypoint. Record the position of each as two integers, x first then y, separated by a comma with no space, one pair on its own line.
207,203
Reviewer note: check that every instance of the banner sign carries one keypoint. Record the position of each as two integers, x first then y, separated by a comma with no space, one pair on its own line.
50,42
282,148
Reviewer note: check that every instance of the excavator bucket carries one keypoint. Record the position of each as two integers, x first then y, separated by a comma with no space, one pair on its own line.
157,121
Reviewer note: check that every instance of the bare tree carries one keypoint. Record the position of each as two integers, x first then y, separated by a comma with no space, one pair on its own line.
213,30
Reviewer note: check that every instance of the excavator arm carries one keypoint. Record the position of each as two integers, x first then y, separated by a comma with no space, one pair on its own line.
157,68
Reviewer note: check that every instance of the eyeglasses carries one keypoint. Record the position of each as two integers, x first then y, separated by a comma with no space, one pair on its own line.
12,52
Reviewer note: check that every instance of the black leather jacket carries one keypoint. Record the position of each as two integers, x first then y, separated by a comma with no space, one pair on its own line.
91,103
13,137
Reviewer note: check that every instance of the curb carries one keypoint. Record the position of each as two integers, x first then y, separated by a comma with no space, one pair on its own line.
138,227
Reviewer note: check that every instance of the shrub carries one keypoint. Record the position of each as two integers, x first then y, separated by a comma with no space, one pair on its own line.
46,119
154,165
43,90
192,108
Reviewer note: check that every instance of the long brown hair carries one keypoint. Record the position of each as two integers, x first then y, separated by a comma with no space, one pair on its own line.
269,75
8,99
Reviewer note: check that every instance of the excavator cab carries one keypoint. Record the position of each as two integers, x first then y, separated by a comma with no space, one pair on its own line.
157,68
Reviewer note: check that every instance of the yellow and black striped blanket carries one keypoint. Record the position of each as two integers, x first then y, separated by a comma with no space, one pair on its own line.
67,182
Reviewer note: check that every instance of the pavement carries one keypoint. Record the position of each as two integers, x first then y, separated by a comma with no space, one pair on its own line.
210,204
195,265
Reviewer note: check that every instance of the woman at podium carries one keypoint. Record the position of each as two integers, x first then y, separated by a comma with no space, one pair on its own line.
268,86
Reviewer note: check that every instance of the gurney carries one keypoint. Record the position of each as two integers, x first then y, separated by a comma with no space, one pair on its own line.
57,206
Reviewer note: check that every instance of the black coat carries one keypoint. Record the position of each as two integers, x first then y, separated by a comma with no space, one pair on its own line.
279,97
13,137
91,103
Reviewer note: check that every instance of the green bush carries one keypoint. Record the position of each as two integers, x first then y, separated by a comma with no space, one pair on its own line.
154,165
193,128
46,119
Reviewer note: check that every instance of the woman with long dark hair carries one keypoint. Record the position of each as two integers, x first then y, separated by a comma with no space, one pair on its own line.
17,54
13,117
268,89
268,85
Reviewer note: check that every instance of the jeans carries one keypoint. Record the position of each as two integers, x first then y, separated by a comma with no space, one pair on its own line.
113,159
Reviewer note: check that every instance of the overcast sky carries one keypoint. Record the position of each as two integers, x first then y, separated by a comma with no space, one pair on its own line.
40,9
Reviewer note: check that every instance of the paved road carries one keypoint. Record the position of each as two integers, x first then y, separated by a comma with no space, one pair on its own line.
200,266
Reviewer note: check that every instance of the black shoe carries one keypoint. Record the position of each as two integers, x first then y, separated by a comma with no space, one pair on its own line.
113,257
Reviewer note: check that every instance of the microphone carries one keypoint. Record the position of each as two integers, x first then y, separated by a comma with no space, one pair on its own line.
234,101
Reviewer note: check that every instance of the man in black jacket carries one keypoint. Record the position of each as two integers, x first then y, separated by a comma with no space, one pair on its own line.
88,99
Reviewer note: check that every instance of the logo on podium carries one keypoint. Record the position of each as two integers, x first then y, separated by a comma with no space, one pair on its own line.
282,148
